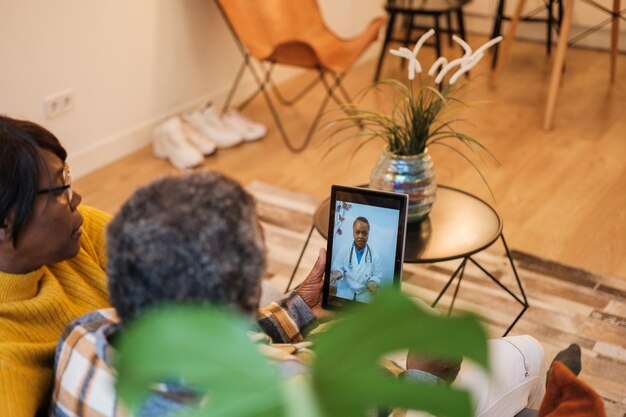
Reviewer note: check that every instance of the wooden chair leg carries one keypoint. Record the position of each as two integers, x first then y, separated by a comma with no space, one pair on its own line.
614,37
507,41
557,66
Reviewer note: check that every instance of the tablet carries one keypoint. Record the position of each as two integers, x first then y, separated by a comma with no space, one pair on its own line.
366,232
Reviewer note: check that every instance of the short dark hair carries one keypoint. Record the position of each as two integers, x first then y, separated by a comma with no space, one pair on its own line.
361,219
194,238
21,143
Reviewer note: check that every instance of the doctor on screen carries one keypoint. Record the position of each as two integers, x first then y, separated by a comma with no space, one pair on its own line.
356,269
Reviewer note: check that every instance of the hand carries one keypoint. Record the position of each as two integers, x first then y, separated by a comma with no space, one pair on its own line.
311,288
446,370
335,275
372,286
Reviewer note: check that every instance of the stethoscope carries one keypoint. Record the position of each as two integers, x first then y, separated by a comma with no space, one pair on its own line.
367,252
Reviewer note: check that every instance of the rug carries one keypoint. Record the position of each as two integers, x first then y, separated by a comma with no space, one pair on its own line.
567,304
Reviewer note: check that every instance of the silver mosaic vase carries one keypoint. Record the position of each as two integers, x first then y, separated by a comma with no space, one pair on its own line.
412,175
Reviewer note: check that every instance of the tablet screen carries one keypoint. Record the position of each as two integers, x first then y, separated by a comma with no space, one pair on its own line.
365,244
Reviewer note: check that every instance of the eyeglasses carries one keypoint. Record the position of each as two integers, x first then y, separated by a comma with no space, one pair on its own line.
67,185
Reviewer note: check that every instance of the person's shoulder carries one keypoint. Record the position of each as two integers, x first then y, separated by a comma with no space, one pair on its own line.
90,323
88,334
103,316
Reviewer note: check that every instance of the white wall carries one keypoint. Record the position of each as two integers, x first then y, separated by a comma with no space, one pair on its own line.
129,63
133,63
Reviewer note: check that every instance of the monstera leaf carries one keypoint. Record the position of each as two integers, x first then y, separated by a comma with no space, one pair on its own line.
348,379
209,348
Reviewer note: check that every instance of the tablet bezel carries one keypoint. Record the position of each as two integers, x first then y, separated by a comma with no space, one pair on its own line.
365,196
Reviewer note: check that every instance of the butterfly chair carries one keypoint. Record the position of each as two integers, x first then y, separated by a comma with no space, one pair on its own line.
291,32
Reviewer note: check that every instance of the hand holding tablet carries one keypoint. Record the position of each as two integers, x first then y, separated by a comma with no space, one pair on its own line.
365,249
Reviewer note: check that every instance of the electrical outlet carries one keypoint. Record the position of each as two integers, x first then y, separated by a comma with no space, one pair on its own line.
58,104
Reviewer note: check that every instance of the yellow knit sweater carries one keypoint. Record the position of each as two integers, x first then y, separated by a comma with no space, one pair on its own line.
34,310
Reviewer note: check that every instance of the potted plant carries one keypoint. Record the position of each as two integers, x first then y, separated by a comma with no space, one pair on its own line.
421,116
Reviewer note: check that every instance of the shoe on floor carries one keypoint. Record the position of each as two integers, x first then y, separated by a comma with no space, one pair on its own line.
248,129
208,123
170,142
197,139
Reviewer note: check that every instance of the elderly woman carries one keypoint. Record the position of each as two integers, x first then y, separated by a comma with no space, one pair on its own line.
52,265
52,260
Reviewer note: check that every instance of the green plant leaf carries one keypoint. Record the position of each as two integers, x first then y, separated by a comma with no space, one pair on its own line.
209,348
346,374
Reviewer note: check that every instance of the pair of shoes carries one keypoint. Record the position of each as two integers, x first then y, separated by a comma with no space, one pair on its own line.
228,130
181,144
249,130
208,122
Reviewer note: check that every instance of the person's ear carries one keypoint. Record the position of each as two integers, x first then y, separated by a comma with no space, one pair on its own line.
6,228
5,233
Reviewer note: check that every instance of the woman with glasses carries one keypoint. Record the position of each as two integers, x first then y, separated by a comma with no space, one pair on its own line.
52,262
52,266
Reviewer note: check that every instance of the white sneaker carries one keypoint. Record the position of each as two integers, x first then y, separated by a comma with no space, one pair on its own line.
210,125
201,142
170,143
248,129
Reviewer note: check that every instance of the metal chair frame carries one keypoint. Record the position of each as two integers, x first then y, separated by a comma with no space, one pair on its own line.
262,76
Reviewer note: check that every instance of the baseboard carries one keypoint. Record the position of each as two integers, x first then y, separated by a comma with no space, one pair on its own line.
124,143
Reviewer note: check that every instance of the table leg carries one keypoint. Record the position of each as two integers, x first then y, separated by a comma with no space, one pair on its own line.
445,287
456,290
459,272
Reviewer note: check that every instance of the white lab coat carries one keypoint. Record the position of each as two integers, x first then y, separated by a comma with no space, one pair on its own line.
355,275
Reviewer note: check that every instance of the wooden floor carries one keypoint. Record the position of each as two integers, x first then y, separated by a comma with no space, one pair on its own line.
567,305
562,194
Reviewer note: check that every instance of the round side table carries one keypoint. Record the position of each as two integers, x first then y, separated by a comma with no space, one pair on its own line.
459,226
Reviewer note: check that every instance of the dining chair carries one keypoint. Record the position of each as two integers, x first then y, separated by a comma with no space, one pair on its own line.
292,33
552,21
409,11
615,15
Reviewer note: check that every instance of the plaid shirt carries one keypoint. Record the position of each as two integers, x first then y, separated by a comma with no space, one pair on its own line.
84,376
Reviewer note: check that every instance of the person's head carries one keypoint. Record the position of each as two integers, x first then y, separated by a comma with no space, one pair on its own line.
39,223
194,238
361,232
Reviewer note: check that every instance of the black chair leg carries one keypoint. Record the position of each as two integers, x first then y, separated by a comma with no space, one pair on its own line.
549,27
450,29
497,31
383,51
437,36
408,30
461,22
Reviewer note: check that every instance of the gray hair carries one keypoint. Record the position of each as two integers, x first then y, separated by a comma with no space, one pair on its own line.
194,238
